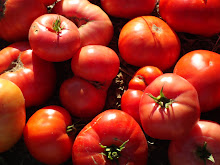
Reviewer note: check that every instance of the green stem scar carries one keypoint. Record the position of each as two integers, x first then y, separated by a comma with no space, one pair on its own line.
57,25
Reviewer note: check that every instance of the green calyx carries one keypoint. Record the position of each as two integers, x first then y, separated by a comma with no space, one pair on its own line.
204,154
113,152
57,25
163,101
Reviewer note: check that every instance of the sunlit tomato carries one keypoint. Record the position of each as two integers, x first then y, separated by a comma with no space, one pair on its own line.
128,9
81,98
201,68
169,107
94,25
96,63
192,16
148,40
54,37
201,146
46,135
112,137
34,76
16,17
12,114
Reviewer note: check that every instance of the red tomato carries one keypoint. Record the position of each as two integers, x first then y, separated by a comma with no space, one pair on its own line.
199,147
143,77
46,137
34,76
96,63
16,17
54,37
94,25
128,9
169,107
201,68
112,137
12,114
199,17
144,41
81,98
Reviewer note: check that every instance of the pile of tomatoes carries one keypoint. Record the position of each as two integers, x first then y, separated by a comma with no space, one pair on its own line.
109,82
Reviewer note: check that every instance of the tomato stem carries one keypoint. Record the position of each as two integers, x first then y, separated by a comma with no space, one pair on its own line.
57,25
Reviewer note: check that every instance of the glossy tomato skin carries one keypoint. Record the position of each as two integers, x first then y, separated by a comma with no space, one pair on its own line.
16,17
45,135
34,76
201,68
179,117
51,45
111,127
95,27
183,151
128,9
96,63
199,17
143,41
12,114
81,98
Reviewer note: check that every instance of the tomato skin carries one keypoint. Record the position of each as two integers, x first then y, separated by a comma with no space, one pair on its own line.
200,68
96,63
176,120
95,27
18,15
128,9
182,151
81,98
199,17
36,78
48,2
108,128
143,40
51,45
45,135
12,114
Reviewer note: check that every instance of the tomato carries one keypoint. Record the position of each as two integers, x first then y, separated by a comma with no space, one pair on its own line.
143,41
201,146
34,76
16,17
169,107
81,98
112,137
48,2
12,114
46,137
200,17
96,63
94,25
143,77
128,9
54,37
201,68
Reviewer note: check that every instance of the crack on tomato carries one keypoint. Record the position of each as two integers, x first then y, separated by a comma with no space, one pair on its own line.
2,8
79,21
15,65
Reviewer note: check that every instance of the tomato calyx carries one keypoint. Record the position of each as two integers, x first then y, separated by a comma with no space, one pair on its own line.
162,100
204,154
57,25
113,152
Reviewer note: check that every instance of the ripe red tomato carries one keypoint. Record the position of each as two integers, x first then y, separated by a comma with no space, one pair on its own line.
169,107
201,68
94,25
12,114
34,76
96,63
201,146
143,41
199,17
16,17
112,137
46,136
54,37
143,77
128,9
81,98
